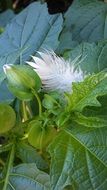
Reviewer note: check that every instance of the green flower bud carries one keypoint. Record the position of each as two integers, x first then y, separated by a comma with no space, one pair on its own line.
21,80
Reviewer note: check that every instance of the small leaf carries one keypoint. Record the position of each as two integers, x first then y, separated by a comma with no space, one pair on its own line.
40,136
49,102
7,118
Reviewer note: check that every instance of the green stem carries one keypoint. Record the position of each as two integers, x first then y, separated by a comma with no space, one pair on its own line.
39,101
2,162
41,140
25,116
10,163
28,108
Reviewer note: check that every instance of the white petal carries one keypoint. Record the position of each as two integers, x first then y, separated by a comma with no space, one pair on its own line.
55,72
6,67
32,64
37,60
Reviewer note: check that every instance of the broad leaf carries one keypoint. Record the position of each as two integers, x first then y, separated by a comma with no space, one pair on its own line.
27,176
86,20
27,33
66,41
79,158
93,58
30,31
86,93
6,17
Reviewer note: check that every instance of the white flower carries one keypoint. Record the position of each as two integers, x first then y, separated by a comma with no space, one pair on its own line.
55,72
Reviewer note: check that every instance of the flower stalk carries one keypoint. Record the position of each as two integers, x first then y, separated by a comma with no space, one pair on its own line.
39,101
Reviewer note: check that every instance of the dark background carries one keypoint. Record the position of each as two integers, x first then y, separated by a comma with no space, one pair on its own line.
54,6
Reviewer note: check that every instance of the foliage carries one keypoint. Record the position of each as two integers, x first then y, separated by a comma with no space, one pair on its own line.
50,140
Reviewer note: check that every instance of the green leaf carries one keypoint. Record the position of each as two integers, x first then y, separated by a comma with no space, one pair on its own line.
86,20
97,111
30,31
5,147
27,176
40,136
27,33
49,102
93,58
5,95
90,121
29,155
86,93
78,158
23,94
7,118
66,42
6,17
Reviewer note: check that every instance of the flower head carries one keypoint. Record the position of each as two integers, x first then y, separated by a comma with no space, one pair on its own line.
56,73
